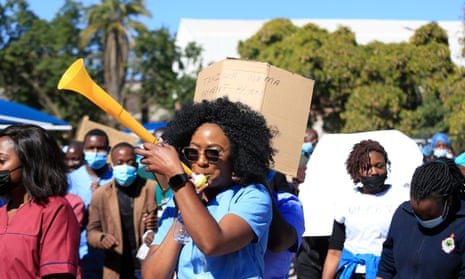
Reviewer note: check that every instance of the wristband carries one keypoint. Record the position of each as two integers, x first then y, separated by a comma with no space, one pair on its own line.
178,181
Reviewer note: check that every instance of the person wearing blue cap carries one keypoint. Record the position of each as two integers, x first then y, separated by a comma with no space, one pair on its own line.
426,237
441,146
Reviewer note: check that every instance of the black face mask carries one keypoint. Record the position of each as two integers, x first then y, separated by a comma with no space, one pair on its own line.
374,184
5,182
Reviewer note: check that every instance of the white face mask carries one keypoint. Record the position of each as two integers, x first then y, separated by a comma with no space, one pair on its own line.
439,152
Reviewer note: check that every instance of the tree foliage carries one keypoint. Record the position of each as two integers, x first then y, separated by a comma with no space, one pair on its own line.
155,55
406,86
34,54
113,22
411,86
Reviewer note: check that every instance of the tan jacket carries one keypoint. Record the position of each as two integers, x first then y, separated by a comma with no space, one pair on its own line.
104,217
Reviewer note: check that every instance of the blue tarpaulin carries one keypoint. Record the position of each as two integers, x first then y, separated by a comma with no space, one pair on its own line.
15,113
150,126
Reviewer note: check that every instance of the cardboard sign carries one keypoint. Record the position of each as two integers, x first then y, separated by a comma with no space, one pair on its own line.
114,135
282,97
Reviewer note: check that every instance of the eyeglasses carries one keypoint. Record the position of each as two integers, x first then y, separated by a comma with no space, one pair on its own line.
193,154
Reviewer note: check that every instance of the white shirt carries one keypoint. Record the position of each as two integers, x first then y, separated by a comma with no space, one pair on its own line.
367,218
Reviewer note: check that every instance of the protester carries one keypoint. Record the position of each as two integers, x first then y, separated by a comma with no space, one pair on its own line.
163,191
229,222
96,171
362,216
277,182
163,194
83,181
74,155
310,141
441,146
40,235
310,258
116,215
286,229
74,158
427,234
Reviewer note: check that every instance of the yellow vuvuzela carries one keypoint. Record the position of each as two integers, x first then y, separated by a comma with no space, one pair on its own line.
78,80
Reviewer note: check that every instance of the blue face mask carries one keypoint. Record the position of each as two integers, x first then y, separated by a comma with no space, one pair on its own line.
124,174
307,147
141,169
429,224
95,160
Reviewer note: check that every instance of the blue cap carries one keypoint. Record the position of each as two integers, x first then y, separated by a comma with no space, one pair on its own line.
440,137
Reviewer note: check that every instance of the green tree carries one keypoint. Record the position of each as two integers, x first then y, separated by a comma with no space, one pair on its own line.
189,67
333,60
373,107
34,54
113,21
454,107
155,52
412,75
271,33
155,56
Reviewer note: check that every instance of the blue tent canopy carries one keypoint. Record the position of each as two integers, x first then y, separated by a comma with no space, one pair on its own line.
150,126
15,113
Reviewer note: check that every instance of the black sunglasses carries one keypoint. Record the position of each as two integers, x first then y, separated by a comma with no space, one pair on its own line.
193,154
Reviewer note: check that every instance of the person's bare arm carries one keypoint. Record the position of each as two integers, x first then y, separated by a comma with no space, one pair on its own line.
229,235
161,259
330,267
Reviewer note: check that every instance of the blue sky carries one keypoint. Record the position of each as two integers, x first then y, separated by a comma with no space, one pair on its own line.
167,13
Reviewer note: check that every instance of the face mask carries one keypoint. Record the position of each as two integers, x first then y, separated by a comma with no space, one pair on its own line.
439,152
429,224
141,169
307,147
96,160
5,183
374,183
124,174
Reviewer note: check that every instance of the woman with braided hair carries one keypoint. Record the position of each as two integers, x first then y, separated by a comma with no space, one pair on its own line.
427,234
362,217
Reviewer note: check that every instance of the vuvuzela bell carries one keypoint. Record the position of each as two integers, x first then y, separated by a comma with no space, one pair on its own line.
77,79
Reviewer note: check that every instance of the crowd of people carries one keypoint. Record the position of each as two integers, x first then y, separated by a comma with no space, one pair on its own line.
92,210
